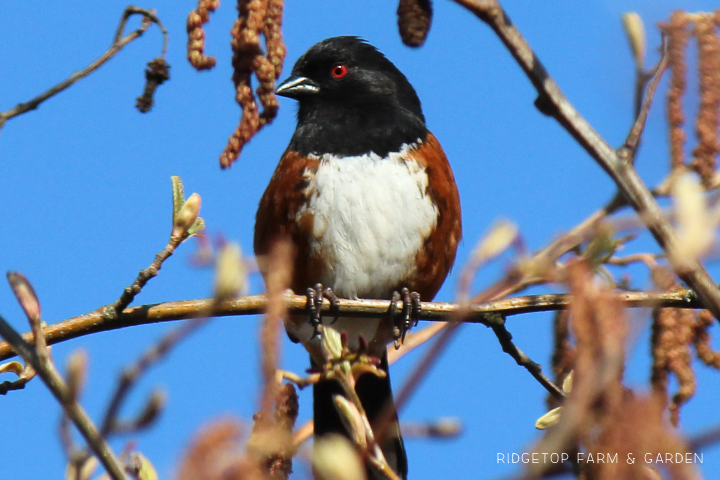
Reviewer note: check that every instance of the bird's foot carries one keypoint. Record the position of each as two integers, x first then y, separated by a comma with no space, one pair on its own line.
410,314
315,297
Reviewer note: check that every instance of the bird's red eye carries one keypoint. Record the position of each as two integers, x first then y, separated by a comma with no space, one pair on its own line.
339,70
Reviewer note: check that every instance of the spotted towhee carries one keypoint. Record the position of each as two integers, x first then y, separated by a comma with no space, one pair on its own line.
366,194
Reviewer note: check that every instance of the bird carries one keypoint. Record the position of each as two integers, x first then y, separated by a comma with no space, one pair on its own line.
367,197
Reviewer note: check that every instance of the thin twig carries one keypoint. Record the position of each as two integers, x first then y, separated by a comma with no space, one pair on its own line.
708,438
414,340
633,139
151,15
113,310
501,237
648,259
297,305
9,386
505,339
57,386
568,242
303,433
511,283
641,79
186,223
551,101
119,43
278,279
583,230
441,428
134,372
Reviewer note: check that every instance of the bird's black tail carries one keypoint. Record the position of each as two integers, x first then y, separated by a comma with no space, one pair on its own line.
375,394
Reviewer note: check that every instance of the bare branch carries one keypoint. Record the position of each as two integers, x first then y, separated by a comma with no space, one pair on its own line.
113,310
57,386
440,428
505,339
552,102
297,305
119,43
186,223
278,279
132,374
633,139
708,438
414,340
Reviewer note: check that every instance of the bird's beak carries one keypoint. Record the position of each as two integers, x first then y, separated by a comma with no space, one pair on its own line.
296,87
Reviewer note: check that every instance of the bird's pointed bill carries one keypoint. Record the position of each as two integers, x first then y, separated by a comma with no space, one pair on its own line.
295,87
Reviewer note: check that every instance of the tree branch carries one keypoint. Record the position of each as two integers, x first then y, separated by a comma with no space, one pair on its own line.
113,310
709,437
552,102
131,374
186,223
505,339
652,78
254,304
119,42
57,386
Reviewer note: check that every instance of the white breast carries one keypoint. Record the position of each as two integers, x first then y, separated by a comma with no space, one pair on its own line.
371,216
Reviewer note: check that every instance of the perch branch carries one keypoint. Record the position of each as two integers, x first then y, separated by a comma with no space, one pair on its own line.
254,304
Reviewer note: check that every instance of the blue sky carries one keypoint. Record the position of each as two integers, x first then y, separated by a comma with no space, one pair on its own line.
85,195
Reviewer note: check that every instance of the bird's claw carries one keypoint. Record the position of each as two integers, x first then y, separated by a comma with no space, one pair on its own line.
410,314
315,297
314,306
334,301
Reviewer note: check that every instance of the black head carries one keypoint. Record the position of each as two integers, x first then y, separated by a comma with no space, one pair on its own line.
352,100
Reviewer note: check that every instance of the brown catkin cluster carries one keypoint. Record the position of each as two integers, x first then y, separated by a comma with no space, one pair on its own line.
196,34
705,353
679,29
599,414
219,451
637,429
414,18
279,463
287,407
273,35
256,18
706,125
677,37
212,452
672,336
599,325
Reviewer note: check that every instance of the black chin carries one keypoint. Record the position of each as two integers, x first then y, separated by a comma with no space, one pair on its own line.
353,129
